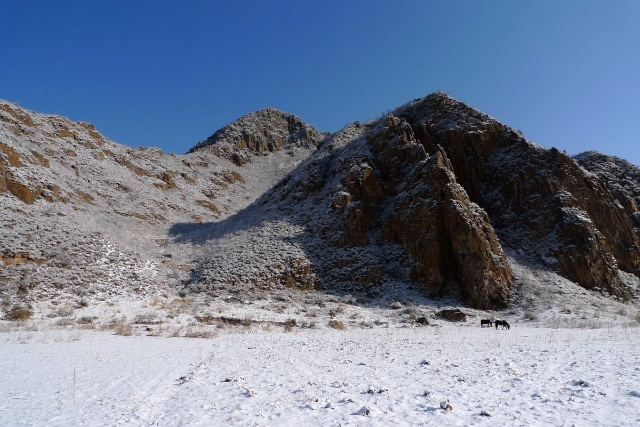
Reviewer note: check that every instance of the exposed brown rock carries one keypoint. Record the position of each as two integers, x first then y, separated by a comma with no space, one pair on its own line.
86,197
207,204
167,181
532,195
400,194
19,190
12,158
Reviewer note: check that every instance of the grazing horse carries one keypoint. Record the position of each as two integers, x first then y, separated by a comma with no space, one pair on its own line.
502,323
486,322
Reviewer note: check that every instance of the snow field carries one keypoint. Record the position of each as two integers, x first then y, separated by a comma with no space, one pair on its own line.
382,376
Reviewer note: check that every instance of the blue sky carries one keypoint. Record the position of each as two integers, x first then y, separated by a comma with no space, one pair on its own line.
170,73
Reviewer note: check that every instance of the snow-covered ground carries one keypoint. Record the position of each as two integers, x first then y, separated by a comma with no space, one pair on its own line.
277,376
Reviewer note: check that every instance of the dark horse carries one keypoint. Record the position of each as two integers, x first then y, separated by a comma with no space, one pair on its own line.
485,322
502,323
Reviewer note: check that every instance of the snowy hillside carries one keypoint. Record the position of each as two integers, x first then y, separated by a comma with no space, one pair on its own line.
269,211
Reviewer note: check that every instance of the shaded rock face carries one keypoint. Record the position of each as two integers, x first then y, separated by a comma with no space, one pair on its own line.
620,177
450,241
386,191
540,201
259,133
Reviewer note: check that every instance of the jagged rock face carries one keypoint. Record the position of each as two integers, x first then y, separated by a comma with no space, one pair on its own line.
259,133
450,239
384,189
539,200
620,177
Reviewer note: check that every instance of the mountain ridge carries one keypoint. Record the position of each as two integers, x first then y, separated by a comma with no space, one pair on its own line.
433,199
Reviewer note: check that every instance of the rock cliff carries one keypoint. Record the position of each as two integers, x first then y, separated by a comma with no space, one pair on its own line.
540,201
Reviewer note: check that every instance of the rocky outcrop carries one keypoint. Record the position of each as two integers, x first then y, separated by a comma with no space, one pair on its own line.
259,133
450,241
620,177
540,201
452,315
386,191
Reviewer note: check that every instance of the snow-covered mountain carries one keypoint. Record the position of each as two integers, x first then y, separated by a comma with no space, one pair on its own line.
82,215
434,199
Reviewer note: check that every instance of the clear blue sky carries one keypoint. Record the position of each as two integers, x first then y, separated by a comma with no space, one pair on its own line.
170,73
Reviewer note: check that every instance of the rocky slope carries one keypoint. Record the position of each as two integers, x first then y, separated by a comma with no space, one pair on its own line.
541,202
260,133
429,195
82,215
427,200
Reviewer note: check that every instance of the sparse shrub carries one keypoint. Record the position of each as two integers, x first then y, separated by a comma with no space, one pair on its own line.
247,322
337,324
335,311
221,325
64,311
310,324
279,307
19,314
413,312
199,333
421,320
366,324
289,325
147,319
64,321
124,329
85,320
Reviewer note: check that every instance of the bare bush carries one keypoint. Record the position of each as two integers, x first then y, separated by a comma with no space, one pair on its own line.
124,329
248,321
64,321
64,311
335,311
289,325
337,324
199,333
85,320
19,314
147,319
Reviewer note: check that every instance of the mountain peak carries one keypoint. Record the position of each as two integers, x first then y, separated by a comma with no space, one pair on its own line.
259,133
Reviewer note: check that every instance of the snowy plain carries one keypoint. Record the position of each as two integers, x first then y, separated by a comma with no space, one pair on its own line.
291,377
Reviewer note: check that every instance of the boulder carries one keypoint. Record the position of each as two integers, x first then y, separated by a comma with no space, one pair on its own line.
452,315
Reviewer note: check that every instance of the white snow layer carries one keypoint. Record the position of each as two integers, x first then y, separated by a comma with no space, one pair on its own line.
358,377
